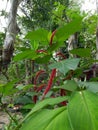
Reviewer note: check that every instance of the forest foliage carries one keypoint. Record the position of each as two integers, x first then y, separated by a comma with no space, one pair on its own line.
53,74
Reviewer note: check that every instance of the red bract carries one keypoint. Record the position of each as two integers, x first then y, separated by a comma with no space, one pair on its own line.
52,76
52,36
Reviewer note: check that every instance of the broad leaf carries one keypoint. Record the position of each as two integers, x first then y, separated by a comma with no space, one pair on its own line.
65,65
56,119
82,52
83,111
63,33
38,35
69,85
28,54
82,114
46,102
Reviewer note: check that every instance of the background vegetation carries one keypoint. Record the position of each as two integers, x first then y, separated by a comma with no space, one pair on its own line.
51,76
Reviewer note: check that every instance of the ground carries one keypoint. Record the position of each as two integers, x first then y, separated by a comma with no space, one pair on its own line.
4,119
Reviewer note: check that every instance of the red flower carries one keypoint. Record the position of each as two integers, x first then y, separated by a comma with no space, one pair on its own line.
52,76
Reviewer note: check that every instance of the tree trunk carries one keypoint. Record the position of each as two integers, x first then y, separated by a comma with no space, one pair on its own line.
72,43
28,71
12,30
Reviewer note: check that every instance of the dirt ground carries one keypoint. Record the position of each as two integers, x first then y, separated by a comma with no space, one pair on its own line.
4,119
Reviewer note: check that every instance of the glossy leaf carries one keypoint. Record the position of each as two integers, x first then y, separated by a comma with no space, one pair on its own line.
65,65
63,33
48,120
83,111
38,35
28,54
46,102
82,114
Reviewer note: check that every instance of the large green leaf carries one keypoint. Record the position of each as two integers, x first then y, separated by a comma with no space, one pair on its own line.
82,52
65,65
82,114
83,111
46,102
56,119
38,35
63,33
